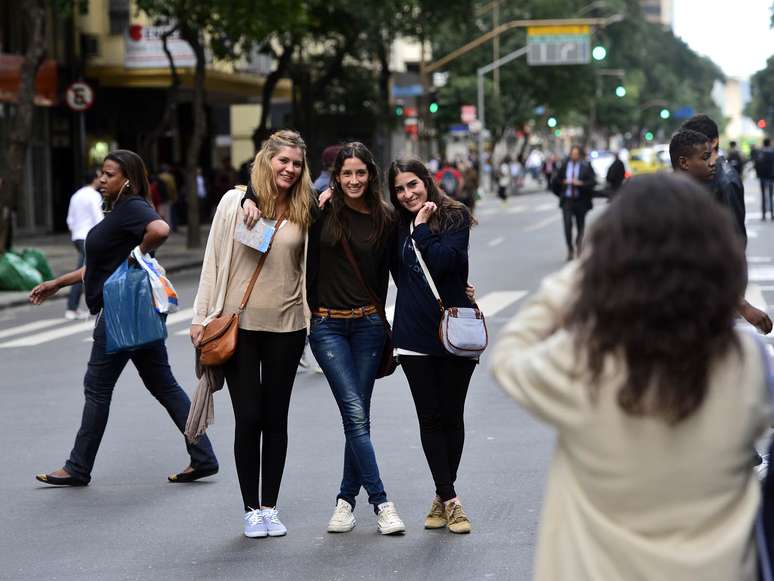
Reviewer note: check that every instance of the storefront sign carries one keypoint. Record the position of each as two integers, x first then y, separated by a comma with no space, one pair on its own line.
144,49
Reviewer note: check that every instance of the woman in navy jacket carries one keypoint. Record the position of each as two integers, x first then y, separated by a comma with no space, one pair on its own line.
440,229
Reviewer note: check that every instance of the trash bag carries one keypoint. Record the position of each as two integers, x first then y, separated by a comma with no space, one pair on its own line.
37,260
131,320
16,274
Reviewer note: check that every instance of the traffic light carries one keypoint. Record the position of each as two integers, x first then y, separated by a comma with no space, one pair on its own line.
648,136
620,91
761,123
399,110
552,122
599,53
433,105
665,114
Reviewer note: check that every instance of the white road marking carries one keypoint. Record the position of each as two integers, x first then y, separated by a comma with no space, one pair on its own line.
545,207
46,336
543,223
34,326
496,241
760,273
516,210
758,259
487,212
752,233
494,302
766,288
754,296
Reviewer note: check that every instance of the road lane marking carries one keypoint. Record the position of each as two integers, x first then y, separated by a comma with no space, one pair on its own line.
496,241
516,210
494,302
53,334
758,259
543,223
34,326
760,273
545,207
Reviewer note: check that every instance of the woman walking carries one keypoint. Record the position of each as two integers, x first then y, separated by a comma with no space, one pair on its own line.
132,222
272,327
437,228
633,357
347,332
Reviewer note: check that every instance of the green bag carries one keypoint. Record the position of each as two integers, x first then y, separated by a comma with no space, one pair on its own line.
37,260
16,274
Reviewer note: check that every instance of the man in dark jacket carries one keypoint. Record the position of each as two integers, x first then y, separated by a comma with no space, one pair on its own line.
615,176
574,184
763,160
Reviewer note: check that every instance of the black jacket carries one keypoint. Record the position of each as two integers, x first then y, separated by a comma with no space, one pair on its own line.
615,174
585,192
728,190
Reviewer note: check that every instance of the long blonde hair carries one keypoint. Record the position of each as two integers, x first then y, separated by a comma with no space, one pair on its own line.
300,196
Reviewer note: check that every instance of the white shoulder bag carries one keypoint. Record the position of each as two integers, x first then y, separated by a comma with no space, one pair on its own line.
463,329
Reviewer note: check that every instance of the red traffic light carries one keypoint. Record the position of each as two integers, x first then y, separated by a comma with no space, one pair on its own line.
761,124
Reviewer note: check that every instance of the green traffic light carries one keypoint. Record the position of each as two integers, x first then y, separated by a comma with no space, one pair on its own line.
599,53
551,122
558,132
649,136
434,107
665,114
399,111
620,91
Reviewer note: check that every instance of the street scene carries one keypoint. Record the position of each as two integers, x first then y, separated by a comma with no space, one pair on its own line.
404,290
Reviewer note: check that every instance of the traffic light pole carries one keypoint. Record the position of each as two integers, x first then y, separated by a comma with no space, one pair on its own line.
482,101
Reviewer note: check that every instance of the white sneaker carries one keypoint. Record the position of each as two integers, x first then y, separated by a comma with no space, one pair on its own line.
387,520
255,527
73,315
274,525
342,520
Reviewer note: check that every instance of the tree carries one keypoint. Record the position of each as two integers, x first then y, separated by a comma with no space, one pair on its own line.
761,105
10,189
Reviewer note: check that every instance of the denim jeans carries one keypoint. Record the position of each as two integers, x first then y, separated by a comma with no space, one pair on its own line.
101,376
349,352
74,298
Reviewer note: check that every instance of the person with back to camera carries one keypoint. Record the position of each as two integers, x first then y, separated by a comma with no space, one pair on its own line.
633,356
131,222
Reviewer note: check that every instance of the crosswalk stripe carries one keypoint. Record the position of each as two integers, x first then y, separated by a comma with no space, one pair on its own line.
496,241
543,223
34,326
545,207
516,210
494,302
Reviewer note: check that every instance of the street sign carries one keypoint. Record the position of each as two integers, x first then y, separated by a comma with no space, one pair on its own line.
400,91
468,113
79,96
558,45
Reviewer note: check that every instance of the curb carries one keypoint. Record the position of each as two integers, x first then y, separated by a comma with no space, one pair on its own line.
22,301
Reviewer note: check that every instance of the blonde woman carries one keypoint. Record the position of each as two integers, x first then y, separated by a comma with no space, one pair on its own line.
272,328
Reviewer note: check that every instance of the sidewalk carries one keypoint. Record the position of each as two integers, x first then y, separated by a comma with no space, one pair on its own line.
62,257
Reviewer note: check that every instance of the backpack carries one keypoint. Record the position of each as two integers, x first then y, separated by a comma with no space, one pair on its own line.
449,184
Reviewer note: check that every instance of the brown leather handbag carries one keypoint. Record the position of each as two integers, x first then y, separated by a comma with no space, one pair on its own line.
218,342
388,363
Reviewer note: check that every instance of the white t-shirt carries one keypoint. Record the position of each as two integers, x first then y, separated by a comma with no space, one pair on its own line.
84,213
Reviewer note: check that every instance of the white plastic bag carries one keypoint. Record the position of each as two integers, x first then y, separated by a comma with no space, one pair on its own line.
164,294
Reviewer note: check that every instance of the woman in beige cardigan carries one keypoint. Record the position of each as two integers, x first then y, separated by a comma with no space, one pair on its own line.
272,327
657,399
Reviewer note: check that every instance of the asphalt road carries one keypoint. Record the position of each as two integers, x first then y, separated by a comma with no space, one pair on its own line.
131,524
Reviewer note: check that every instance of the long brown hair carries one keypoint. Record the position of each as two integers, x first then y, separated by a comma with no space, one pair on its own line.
134,170
380,213
450,215
660,287
300,197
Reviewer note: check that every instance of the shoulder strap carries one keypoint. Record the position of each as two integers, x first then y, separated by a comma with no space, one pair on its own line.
260,264
426,272
374,299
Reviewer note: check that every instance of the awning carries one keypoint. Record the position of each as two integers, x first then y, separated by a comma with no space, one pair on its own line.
220,86
10,80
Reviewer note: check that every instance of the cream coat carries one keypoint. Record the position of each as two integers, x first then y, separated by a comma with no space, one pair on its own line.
632,498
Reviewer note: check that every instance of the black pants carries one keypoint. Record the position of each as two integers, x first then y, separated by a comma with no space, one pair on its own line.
574,209
260,379
767,192
439,386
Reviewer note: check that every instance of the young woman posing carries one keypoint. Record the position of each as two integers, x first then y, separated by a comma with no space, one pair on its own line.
132,222
347,333
438,227
272,328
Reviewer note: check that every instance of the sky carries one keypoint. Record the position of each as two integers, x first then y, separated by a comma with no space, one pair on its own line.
733,33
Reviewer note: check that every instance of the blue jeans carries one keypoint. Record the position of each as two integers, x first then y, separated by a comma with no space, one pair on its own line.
349,352
74,298
101,376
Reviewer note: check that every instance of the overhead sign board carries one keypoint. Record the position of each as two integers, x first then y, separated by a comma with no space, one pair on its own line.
407,90
144,48
558,45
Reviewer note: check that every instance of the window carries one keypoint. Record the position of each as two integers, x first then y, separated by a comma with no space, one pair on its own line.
118,13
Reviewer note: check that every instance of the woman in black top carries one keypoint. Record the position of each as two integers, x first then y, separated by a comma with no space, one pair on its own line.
347,333
132,222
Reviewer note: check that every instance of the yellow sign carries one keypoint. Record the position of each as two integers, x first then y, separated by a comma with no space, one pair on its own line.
569,30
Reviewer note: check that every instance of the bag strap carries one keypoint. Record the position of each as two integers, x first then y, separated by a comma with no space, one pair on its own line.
261,262
377,303
426,272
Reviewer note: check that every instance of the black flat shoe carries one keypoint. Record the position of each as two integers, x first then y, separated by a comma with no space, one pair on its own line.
59,481
192,475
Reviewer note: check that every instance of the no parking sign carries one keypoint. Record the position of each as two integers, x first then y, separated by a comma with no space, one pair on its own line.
79,96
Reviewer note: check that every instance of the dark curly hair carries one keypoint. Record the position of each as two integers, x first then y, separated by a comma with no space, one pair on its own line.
450,215
660,287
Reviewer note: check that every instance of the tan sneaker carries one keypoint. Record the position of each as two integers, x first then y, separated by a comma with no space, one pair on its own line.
457,521
436,518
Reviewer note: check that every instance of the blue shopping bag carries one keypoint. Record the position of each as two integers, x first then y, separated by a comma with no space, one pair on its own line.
131,320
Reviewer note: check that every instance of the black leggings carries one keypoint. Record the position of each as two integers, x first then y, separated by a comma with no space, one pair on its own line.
439,386
572,210
260,379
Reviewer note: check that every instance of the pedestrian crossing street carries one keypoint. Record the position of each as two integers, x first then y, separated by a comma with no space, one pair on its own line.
57,329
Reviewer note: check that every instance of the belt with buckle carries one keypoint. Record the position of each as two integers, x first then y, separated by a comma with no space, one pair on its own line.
355,313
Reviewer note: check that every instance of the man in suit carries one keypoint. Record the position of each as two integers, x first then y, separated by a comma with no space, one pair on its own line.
574,184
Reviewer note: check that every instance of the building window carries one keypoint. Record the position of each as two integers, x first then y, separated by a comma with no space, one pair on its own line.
119,16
